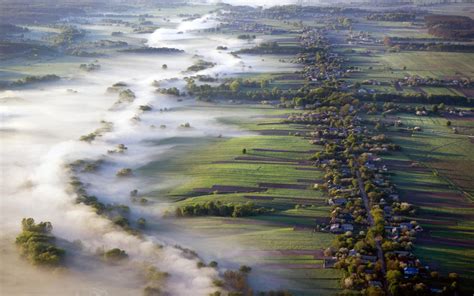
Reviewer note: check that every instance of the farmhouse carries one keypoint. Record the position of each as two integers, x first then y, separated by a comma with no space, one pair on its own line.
410,272
337,201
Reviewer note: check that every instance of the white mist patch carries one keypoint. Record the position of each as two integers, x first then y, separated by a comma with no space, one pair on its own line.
205,22
40,128
40,137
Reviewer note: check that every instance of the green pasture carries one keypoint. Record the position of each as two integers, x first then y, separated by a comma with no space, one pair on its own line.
212,161
448,159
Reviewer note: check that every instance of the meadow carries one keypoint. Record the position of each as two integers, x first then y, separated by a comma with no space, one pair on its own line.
281,243
376,62
433,171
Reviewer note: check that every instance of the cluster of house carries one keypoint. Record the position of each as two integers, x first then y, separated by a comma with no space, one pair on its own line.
362,38
355,148
323,65
460,112
416,80
251,26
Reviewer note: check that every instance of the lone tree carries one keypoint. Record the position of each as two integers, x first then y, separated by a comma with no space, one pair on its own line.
235,86
164,66
245,269
244,151
115,255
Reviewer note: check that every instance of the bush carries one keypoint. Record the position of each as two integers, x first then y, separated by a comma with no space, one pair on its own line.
141,222
151,291
124,172
115,255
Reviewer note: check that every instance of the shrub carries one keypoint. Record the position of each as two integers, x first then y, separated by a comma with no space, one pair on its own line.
141,222
151,291
124,172
115,255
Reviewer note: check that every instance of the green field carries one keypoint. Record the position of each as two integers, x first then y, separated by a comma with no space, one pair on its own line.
439,180
388,66
432,64
287,229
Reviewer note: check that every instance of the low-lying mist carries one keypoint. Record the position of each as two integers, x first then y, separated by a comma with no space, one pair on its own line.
41,128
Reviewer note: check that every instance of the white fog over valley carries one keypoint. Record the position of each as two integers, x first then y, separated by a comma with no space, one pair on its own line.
40,136
236,147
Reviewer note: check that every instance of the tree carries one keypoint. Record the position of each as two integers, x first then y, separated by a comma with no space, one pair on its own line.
374,291
394,276
387,41
115,254
453,276
235,86
164,66
151,291
28,224
37,245
245,269
395,289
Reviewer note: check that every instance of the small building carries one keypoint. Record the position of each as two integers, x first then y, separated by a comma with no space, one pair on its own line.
410,272
394,197
369,258
375,284
347,227
406,225
337,201
329,262
403,253
335,228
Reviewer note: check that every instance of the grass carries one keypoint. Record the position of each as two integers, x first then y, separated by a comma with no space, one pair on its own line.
448,258
449,154
204,168
432,64
386,67
449,159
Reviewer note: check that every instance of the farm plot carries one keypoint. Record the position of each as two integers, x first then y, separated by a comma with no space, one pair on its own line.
434,172
431,64
448,154
271,170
